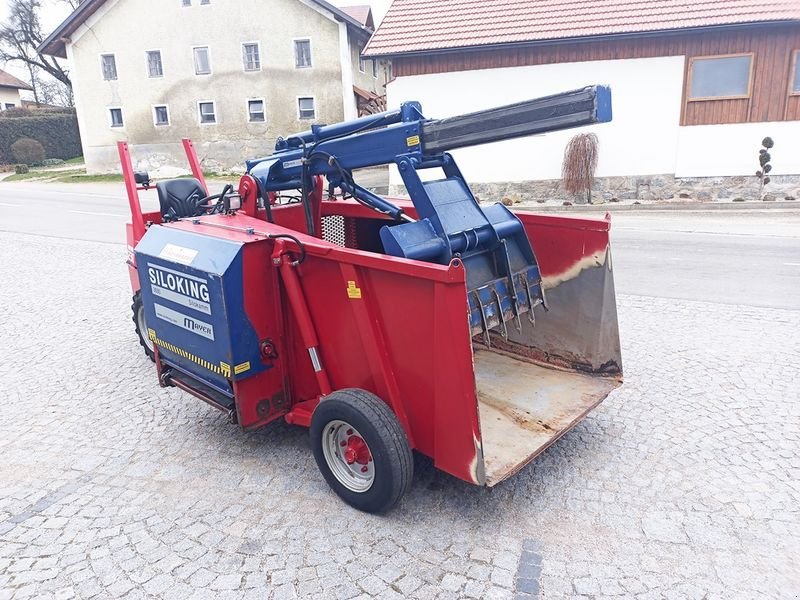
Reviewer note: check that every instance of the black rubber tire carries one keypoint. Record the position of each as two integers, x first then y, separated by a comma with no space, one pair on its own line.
136,307
387,441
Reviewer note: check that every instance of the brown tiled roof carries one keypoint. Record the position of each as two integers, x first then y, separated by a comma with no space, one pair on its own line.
8,80
55,43
431,25
361,13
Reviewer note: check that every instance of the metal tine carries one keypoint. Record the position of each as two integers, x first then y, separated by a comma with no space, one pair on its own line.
531,316
484,322
517,318
500,312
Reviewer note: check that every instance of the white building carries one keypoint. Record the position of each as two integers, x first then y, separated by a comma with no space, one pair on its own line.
10,88
695,87
232,76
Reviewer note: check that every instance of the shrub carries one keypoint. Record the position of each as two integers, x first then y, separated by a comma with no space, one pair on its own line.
763,162
52,162
21,169
28,151
57,132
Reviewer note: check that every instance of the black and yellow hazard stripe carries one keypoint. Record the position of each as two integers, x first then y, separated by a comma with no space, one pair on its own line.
223,369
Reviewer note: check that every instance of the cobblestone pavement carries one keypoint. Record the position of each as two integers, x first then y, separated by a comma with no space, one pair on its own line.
685,483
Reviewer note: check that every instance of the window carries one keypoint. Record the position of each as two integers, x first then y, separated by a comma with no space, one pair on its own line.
202,2
302,53
154,66
362,64
796,73
186,2
251,56
161,115
109,66
10,105
715,77
375,68
207,111
116,117
202,60
305,108
255,111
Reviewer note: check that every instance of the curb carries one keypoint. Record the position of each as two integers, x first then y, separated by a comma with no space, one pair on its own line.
665,206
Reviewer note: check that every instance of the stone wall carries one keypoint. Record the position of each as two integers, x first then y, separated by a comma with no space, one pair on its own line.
650,188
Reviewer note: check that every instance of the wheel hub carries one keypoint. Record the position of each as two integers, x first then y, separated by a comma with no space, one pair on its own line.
348,456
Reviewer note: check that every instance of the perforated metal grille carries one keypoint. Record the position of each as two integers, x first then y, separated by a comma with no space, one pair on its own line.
333,230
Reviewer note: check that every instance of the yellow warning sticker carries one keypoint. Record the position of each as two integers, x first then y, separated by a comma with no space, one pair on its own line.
412,141
226,369
241,368
353,291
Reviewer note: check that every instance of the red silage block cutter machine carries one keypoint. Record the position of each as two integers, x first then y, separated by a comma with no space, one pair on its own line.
471,334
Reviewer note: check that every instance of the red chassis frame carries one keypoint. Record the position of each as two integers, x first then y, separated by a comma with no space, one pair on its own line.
399,327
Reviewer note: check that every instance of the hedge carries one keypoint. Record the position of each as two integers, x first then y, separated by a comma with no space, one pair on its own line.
58,133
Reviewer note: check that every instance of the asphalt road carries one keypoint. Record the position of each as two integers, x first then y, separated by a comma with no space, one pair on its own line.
747,257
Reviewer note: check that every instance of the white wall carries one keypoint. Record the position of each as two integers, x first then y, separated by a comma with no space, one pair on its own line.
720,150
644,138
9,96
641,140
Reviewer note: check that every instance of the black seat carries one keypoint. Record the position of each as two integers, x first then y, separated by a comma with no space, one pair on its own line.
180,198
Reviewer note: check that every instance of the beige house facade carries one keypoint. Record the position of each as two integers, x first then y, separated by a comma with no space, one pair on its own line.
231,76
10,88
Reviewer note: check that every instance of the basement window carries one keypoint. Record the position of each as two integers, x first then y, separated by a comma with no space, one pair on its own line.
161,115
108,64
255,111
208,112
302,54
720,77
796,73
115,115
305,108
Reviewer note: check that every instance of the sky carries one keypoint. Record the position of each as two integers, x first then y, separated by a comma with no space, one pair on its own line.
53,12
379,7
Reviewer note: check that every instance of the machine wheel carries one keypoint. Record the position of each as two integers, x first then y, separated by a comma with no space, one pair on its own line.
141,326
361,449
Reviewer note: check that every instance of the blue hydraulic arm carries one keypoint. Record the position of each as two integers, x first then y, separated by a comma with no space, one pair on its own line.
503,278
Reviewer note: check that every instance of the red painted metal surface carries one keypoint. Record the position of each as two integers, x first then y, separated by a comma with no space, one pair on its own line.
562,242
194,162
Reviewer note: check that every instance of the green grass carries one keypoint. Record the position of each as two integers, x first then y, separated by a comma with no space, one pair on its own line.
24,176
78,175
84,178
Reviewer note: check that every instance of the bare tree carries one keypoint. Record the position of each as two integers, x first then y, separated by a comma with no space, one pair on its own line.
580,164
22,34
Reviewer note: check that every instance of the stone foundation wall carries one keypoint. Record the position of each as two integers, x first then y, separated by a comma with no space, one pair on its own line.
650,188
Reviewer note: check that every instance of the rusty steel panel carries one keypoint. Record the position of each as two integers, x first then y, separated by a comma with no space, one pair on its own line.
525,407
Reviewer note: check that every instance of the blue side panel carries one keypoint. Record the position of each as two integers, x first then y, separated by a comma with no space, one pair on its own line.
192,289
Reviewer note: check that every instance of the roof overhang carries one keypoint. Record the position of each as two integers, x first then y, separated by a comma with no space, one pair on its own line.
575,40
55,44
